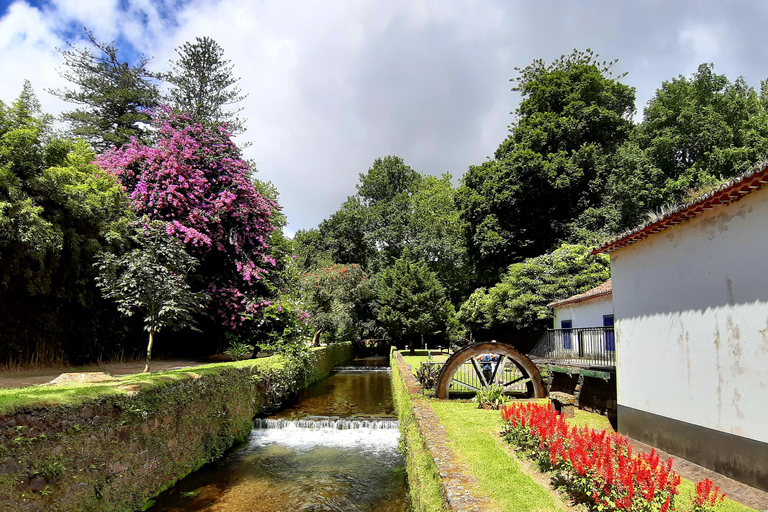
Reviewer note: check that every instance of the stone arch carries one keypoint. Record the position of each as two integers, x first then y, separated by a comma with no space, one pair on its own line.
530,374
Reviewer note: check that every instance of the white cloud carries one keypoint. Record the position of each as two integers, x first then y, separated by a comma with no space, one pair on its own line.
334,85
100,16
28,45
704,41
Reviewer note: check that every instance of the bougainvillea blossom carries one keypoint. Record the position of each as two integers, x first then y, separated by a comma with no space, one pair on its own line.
194,179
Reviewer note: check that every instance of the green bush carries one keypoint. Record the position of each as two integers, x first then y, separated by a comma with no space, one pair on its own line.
237,350
492,397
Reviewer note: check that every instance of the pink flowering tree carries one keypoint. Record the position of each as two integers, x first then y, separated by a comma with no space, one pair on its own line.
195,180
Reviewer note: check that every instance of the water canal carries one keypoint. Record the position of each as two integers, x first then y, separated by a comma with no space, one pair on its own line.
334,450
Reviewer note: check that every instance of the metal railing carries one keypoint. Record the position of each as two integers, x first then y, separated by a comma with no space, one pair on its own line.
592,346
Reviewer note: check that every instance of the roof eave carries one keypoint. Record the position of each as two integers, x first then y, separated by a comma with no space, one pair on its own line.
727,193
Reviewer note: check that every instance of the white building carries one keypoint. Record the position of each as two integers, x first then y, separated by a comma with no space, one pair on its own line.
690,297
580,321
593,308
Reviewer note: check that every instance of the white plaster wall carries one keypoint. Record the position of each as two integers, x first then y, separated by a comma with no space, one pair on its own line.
585,314
691,310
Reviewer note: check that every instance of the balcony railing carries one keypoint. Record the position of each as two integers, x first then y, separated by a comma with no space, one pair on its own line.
590,346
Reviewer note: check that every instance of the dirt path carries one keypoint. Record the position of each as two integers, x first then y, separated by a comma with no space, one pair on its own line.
18,379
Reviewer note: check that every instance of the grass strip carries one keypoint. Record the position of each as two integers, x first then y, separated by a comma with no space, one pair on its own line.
424,482
583,419
474,440
13,400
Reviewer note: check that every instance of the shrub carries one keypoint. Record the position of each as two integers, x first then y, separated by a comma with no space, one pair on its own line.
427,375
492,397
237,350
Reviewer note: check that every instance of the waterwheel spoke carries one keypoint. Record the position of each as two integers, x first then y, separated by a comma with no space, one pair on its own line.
512,370
499,364
524,378
464,384
479,373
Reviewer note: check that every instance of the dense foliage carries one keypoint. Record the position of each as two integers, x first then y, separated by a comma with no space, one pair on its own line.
695,133
151,280
410,302
57,211
203,85
552,170
335,298
521,298
395,208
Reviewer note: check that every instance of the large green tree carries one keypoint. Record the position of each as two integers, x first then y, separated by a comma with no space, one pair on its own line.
519,301
410,302
203,85
437,235
386,191
395,209
550,174
116,97
341,238
334,296
57,210
696,132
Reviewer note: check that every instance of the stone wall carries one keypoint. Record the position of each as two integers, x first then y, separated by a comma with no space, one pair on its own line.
115,452
436,480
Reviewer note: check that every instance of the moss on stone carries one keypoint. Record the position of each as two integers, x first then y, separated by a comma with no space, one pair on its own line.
111,448
424,483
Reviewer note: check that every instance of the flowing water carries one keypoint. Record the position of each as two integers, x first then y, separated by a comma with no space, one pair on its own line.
334,450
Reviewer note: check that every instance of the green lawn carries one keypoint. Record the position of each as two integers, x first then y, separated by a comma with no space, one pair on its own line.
474,440
473,432
473,435
421,355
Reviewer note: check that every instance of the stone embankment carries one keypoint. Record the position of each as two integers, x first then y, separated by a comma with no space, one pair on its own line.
114,452
434,474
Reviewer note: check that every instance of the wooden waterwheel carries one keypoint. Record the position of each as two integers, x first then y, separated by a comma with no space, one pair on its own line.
481,365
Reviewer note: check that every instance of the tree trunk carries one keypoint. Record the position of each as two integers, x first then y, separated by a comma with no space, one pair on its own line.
413,346
149,348
316,338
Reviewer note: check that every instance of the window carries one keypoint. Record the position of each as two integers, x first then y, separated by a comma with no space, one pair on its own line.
610,336
566,324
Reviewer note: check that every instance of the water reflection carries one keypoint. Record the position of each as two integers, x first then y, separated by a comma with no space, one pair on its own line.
346,394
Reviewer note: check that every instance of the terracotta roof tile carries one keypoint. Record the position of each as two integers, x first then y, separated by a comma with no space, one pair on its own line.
728,192
603,290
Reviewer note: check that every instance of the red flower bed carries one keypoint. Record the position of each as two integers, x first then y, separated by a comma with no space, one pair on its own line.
707,497
597,468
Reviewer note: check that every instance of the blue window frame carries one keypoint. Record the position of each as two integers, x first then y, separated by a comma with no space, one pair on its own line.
566,324
610,336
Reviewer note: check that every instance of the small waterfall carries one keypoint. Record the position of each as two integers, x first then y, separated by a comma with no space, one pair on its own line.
363,369
323,423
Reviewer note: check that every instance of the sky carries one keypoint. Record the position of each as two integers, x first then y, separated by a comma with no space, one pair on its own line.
334,85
